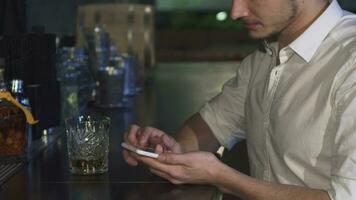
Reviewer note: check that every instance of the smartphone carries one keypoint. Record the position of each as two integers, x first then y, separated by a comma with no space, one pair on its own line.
146,152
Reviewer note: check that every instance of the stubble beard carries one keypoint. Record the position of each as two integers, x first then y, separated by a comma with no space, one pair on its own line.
275,32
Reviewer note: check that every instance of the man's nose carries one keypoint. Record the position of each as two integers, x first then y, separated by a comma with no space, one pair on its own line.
239,9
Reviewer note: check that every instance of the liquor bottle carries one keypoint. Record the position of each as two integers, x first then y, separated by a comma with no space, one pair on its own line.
17,90
13,120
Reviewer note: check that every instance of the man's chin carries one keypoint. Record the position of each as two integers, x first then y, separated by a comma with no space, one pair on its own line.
258,35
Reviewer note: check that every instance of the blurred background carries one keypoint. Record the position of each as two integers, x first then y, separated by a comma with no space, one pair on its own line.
183,29
150,62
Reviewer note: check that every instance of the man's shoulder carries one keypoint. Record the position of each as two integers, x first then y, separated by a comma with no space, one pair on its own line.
255,58
259,53
344,33
343,37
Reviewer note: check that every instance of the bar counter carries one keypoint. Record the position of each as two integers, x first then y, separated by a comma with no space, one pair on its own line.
174,92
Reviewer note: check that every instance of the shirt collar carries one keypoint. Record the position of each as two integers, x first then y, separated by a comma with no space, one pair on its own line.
308,43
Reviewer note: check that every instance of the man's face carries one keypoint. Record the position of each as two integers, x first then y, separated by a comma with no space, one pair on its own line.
265,18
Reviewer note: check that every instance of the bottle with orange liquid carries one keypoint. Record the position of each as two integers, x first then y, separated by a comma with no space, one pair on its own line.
13,121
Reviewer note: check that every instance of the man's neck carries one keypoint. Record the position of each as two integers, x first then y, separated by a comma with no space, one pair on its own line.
308,12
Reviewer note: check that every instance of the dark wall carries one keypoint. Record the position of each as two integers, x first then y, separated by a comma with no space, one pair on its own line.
12,17
348,4
59,16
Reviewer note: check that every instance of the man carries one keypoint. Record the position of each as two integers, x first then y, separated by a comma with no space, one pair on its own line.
294,100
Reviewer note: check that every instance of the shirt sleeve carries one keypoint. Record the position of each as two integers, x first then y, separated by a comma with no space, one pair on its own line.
224,114
343,167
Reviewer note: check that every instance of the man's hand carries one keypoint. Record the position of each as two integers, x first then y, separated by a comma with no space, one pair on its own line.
148,137
193,167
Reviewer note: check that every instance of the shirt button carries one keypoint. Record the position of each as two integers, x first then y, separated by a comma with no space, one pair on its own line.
265,124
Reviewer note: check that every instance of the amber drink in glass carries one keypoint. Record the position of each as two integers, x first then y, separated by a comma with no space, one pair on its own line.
88,144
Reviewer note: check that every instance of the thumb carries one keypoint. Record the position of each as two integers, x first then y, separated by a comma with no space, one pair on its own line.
172,158
171,143
159,149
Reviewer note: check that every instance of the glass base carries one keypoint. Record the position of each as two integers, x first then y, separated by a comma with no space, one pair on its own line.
88,167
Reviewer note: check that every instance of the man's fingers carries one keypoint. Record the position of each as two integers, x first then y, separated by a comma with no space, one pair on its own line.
173,159
144,137
160,173
156,164
132,134
174,171
159,149
171,143
146,133
150,134
129,159
165,176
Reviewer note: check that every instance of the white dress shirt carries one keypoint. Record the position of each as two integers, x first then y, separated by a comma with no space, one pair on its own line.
299,118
